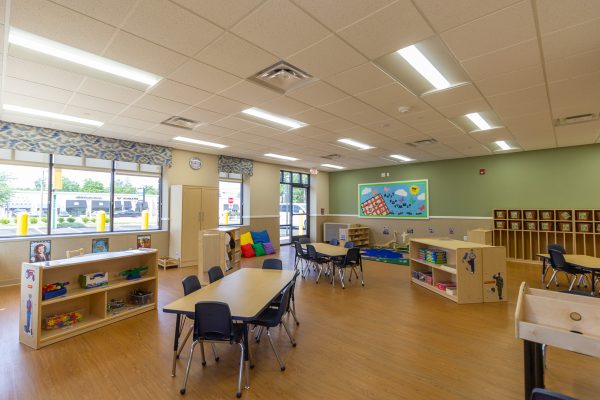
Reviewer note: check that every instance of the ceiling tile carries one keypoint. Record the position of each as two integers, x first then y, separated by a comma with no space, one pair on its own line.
336,14
198,114
263,131
222,105
32,89
167,24
389,98
513,58
569,67
555,15
490,136
443,17
203,76
573,40
387,30
317,93
181,93
280,27
575,96
284,106
88,113
539,124
452,95
363,78
40,73
492,32
537,142
249,93
222,12
313,116
335,124
527,101
131,123
236,56
42,18
391,128
109,91
346,107
111,12
214,130
327,57
96,103
578,134
511,81
140,53
145,115
235,123
161,105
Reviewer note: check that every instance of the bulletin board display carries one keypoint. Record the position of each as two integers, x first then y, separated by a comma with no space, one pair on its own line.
400,199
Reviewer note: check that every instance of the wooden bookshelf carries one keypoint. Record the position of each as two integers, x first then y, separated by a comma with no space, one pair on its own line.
475,285
91,303
213,249
359,235
527,232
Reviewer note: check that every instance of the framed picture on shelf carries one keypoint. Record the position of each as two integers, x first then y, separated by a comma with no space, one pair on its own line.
100,245
546,215
500,225
531,226
565,227
584,227
500,214
144,242
39,251
583,215
564,215
529,214
514,215
546,226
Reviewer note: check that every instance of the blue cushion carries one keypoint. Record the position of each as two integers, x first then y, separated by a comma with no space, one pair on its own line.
260,237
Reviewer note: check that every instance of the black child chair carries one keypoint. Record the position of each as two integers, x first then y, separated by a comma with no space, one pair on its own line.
215,273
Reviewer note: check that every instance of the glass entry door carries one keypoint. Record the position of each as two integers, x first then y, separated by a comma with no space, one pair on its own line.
294,195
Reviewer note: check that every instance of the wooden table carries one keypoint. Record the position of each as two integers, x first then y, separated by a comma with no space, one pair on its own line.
247,291
588,263
329,250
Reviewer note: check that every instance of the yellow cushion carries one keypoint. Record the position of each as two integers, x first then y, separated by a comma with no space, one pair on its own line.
246,238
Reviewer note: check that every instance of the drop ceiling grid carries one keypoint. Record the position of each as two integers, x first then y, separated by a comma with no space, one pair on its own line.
373,118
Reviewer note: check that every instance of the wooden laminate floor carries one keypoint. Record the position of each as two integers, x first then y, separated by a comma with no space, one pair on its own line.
388,340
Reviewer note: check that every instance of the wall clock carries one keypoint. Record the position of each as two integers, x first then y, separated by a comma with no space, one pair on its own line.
195,163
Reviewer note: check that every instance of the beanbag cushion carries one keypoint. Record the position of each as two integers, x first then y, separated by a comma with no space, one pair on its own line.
260,237
269,249
259,250
246,238
247,250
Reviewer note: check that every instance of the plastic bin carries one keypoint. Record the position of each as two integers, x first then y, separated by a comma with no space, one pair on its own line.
140,298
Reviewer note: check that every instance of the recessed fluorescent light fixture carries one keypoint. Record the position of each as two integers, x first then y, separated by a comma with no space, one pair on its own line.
51,115
289,122
479,121
423,66
49,47
356,144
332,166
401,157
503,145
199,142
286,158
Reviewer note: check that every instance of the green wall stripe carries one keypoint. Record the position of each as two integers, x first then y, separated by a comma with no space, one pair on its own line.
557,178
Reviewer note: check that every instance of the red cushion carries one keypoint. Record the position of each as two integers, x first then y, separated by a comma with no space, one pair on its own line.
247,250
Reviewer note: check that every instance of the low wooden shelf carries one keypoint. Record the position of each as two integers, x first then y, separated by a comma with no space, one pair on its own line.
214,250
473,285
91,303
359,235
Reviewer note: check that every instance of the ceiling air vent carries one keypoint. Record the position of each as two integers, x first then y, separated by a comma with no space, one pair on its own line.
425,142
576,119
282,77
332,156
181,122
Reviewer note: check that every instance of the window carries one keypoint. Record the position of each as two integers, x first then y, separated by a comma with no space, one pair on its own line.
80,190
230,199
294,194
23,189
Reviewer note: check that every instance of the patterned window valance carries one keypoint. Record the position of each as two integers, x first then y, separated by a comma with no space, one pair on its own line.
235,165
45,140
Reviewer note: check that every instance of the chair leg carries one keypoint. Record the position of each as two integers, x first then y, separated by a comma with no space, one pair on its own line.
552,278
289,333
202,352
281,364
185,340
258,334
187,370
214,349
341,274
293,312
572,282
239,385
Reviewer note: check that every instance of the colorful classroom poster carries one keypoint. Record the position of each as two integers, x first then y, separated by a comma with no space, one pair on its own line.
402,199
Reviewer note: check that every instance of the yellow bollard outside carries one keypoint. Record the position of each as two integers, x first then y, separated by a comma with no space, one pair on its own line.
226,217
145,219
22,224
100,221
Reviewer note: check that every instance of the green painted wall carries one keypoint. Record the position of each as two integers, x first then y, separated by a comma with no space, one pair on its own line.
557,178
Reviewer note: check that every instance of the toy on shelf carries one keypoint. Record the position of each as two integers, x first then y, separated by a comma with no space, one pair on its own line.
115,304
133,273
141,297
88,281
52,290
61,320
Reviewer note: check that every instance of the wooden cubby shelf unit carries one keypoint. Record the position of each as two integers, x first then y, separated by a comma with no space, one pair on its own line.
359,235
474,284
577,230
91,303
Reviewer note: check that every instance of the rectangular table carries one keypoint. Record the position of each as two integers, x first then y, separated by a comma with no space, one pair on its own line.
329,250
588,263
247,291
